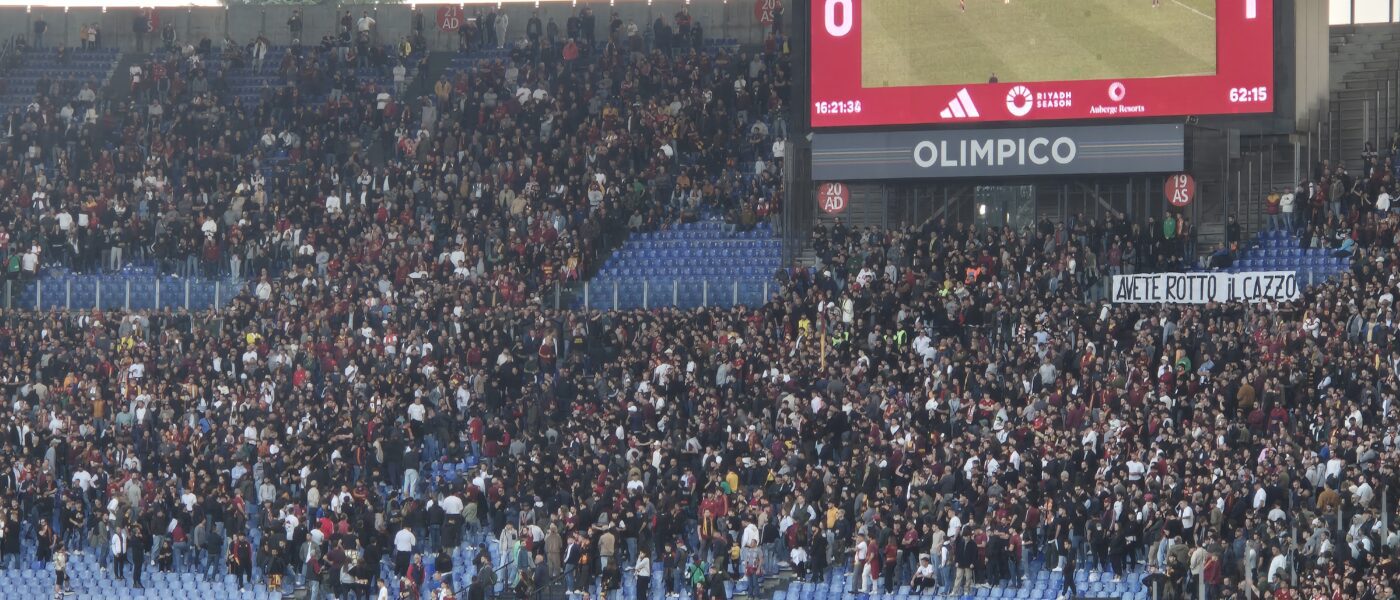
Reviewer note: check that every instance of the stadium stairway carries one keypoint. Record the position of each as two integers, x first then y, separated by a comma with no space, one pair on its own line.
119,88
1277,250
1364,68
706,263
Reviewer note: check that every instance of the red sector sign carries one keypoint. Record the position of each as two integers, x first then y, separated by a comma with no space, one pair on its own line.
449,18
833,197
1180,189
763,10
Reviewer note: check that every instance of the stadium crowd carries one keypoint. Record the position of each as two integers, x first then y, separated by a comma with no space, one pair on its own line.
941,406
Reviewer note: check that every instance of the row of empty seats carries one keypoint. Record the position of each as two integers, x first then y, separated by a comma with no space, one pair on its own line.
88,580
20,83
1279,250
705,263
1277,263
721,275
1043,585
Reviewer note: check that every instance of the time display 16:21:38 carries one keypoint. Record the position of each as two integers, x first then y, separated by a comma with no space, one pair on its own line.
838,107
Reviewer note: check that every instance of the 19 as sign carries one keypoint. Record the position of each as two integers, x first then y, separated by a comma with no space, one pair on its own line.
833,197
1180,189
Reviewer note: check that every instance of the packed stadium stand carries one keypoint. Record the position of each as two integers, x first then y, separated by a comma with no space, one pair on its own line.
527,331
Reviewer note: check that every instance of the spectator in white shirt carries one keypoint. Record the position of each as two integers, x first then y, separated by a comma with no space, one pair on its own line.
404,541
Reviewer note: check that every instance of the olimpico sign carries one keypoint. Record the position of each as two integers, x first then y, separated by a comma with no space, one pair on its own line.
1008,152
995,152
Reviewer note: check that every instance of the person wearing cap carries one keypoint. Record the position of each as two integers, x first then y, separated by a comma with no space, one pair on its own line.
923,575
554,550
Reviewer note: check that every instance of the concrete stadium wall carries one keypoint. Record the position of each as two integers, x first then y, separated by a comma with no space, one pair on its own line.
1312,77
721,19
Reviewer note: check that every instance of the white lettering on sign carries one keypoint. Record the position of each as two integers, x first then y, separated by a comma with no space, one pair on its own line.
843,27
833,197
995,152
1200,288
449,18
763,10
1180,189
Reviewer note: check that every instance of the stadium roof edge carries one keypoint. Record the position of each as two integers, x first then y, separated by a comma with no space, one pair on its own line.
221,3
112,3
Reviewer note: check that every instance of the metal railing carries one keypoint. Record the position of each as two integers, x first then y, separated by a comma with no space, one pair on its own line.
207,294
119,294
652,293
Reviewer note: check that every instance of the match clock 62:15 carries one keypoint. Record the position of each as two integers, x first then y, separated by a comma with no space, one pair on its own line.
1249,94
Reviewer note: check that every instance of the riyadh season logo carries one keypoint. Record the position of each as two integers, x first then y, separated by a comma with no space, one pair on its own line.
1018,101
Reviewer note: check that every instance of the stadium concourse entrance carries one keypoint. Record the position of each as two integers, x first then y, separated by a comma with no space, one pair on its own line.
1017,203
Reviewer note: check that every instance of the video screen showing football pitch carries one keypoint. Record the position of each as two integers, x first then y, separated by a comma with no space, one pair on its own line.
958,42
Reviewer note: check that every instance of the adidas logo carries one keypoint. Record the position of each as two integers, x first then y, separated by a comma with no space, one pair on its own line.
961,107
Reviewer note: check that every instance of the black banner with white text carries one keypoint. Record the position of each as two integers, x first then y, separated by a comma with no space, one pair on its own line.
1200,288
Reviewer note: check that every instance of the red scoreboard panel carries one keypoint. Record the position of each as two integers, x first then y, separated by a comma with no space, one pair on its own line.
907,62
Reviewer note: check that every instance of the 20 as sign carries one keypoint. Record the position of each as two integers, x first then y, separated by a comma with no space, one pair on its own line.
763,10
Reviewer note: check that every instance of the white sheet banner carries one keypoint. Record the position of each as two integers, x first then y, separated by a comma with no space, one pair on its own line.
1200,288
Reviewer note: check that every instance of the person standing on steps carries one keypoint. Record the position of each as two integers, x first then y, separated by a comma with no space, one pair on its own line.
1285,205
240,560
642,570
140,26
294,24
60,571
40,27
1272,208
118,547
502,27
213,552
137,551
1068,590
168,37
